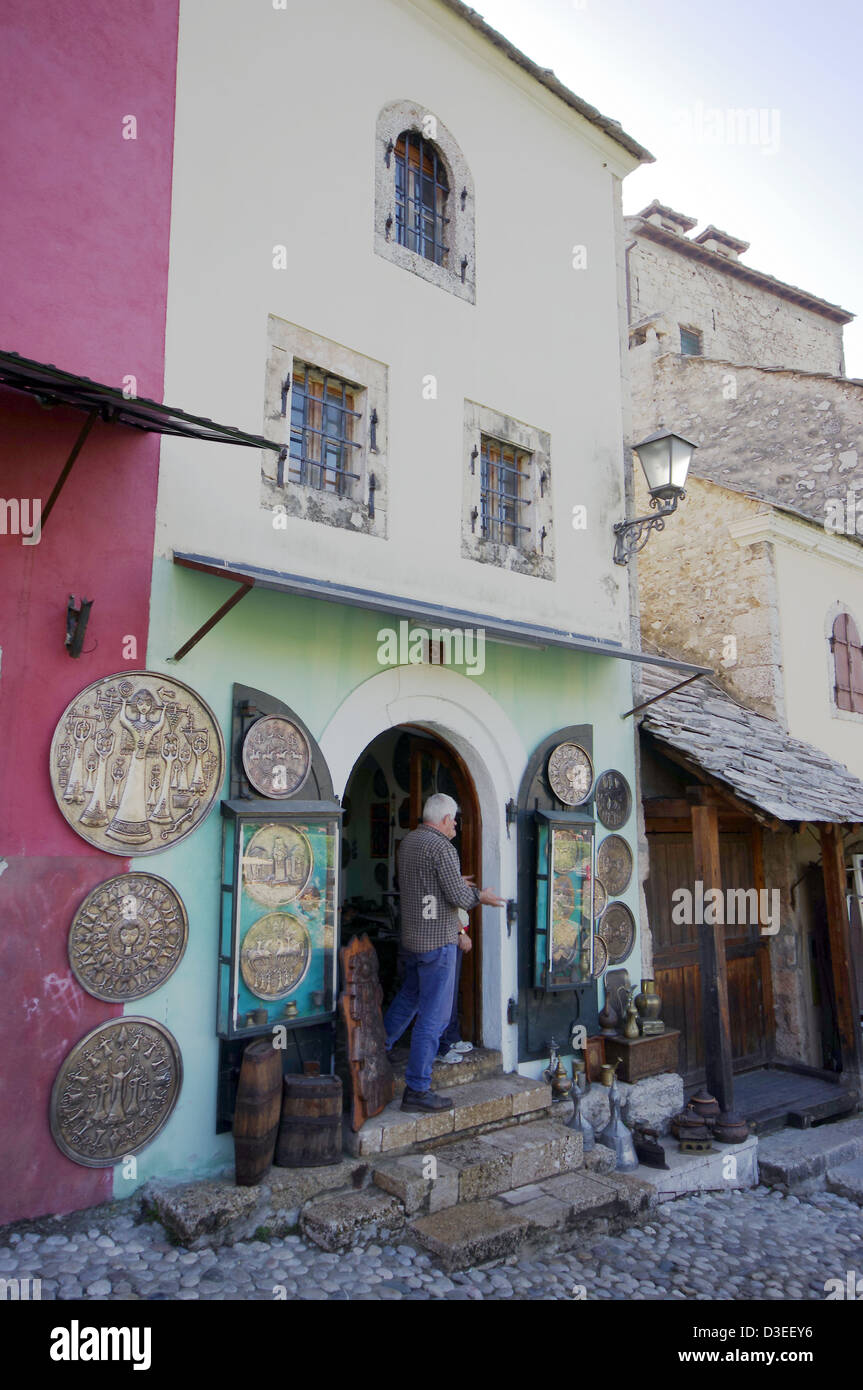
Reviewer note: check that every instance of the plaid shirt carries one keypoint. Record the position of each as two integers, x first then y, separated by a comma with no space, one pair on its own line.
431,890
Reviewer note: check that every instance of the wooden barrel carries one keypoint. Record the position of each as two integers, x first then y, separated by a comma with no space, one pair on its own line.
256,1116
310,1134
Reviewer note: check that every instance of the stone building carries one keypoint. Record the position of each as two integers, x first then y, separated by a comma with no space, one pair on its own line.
760,576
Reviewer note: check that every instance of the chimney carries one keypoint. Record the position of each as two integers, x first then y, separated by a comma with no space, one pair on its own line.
724,245
666,218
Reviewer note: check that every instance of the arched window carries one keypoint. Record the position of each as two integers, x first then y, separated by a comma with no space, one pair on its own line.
422,189
847,664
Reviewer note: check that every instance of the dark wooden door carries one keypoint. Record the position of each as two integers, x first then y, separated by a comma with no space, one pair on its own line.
675,952
435,767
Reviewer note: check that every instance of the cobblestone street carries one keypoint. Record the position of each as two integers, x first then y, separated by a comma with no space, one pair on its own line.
738,1245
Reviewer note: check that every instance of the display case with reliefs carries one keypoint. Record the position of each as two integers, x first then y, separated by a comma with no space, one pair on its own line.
277,957
565,883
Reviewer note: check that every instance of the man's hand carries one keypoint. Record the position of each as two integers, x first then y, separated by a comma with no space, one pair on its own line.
490,898
464,942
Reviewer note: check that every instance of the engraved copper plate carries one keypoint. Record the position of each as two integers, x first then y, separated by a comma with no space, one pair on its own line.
137,761
600,957
570,774
614,864
276,756
275,955
127,937
617,929
613,799
115,1091
277,865
600,898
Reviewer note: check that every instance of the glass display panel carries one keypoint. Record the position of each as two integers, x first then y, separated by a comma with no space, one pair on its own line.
563,955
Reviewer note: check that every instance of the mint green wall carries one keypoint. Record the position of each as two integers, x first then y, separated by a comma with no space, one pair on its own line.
311,655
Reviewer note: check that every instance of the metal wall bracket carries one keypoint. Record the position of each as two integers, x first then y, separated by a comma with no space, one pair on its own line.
76,624
511,914
511,815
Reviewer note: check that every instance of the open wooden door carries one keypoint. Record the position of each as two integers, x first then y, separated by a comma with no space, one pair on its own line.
435,767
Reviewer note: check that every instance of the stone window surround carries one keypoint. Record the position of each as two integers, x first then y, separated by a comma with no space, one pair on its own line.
395,118
833,612
528,558
289,342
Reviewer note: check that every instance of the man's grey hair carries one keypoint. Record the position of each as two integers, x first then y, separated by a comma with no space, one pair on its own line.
437,807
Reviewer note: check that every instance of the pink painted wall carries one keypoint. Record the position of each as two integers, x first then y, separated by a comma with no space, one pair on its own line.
84,224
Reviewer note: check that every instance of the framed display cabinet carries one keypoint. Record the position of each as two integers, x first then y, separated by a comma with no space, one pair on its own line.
278,931
565,878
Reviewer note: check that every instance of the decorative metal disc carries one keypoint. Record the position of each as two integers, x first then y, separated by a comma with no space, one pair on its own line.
600,898
127,937
115,1091
277,865
570,773
137,761
614,864
617,929
276,756
613,799
600,957
275,955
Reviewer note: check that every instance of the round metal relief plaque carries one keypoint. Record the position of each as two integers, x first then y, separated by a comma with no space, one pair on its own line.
127,937
570,773
277,865
613,799
614,864
600,898
600,957
275,955
276,756
137,761
115,1091
617,929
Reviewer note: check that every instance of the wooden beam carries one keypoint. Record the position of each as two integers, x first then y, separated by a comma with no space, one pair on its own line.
839,935
716,1019
744,807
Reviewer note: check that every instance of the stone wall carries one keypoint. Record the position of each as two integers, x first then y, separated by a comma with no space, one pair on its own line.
706,600
738,321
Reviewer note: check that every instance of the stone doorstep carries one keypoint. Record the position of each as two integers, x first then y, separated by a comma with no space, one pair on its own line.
471,1169
794,1157
847,1181
705,1172
335,1221
486,1230
496,1098
476,1066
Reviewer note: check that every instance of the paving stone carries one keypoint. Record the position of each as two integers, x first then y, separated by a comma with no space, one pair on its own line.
847,1180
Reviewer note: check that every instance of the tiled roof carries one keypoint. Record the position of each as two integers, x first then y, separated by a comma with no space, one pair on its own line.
750,755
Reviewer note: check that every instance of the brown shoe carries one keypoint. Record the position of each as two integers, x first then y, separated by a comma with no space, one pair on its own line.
425,1100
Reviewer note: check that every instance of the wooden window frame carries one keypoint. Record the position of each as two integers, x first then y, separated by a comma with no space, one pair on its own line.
847,651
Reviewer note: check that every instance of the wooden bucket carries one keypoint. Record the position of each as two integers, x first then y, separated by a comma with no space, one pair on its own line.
310,1135
256,1117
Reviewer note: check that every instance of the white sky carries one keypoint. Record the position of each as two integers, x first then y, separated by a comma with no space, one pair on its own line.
650,63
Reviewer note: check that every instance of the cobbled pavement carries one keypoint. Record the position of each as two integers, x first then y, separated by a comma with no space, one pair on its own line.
749,1245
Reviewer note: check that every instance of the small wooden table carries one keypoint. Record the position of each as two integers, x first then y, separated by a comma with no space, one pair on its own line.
640,1057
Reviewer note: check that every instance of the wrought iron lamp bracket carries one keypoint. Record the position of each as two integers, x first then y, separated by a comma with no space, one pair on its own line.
632,536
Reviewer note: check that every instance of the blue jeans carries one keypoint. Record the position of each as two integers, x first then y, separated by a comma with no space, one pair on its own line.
426,994
452,1032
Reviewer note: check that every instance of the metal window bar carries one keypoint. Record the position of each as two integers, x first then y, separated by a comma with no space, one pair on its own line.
422,189
322,418
500,482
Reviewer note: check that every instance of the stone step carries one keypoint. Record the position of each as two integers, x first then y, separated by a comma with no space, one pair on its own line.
493,1103
336,1221
847,1180
799,1159
466,1170
567,1206
475,1066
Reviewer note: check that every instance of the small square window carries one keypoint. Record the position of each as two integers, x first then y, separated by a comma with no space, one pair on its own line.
690,342
504,492
323,449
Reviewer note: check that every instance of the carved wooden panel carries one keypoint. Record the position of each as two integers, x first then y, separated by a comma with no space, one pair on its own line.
360,1004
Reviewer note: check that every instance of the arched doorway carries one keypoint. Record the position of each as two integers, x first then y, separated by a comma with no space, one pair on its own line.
384,796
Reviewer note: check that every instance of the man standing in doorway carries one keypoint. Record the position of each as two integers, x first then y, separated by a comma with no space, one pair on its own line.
431,889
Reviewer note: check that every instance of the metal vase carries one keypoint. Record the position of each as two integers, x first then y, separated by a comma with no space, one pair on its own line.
580,1123
617,1136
